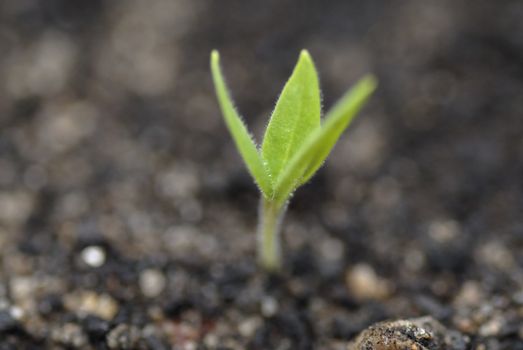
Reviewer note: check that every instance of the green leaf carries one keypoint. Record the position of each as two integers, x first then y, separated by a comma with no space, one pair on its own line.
319,144
244,142
296,115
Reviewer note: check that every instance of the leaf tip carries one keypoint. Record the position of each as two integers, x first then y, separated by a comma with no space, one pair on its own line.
305,53
305,56
215,56
370,82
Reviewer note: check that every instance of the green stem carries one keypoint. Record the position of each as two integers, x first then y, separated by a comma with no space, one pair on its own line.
269,240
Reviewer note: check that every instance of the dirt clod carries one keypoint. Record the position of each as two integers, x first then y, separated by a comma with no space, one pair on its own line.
423,333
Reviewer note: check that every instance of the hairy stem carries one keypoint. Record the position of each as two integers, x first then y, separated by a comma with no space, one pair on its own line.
269,240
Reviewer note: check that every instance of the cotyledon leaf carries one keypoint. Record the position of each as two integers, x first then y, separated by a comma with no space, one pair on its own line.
296,115
238,130
318,145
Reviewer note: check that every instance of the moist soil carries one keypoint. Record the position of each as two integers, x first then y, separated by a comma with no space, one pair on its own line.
127,219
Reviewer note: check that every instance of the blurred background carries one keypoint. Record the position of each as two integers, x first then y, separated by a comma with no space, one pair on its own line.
110,134
107,108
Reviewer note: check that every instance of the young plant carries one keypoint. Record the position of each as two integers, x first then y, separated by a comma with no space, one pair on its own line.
295,145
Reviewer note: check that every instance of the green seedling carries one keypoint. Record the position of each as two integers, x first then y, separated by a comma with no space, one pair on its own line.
295,145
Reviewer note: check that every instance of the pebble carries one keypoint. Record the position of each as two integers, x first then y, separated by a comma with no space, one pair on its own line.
93,256
123,337
269,306
211,341
492,327
96,327
15,207
422,333
497,255
248,327
22,287
16,312
331,249
364,284
470,294
88,302
70,334
152,338
23,290
152,282
444,231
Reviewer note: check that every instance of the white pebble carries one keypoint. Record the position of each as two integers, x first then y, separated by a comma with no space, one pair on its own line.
152,282
16,312
248,327
93,256
269,306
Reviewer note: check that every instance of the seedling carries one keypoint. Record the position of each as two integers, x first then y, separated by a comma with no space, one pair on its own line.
295,145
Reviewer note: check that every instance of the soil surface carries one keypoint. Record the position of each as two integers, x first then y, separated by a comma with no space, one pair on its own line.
127,218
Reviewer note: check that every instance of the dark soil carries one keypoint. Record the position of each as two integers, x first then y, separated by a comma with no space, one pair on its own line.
127,218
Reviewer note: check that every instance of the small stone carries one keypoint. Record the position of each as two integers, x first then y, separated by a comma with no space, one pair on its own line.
16,312
70,334
22,287
443,231
123,337
331,249
492,328
94,256
364,284
211,341
422,333
464,324
248,327
470,294
152,282
152,338
87,302
269,306
15,207
96,327
497,255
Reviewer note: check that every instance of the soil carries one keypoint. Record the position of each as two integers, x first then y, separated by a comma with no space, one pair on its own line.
127,218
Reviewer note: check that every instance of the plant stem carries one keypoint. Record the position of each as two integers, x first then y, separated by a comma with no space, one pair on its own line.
269,241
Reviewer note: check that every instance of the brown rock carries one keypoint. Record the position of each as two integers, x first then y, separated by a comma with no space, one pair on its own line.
423,333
